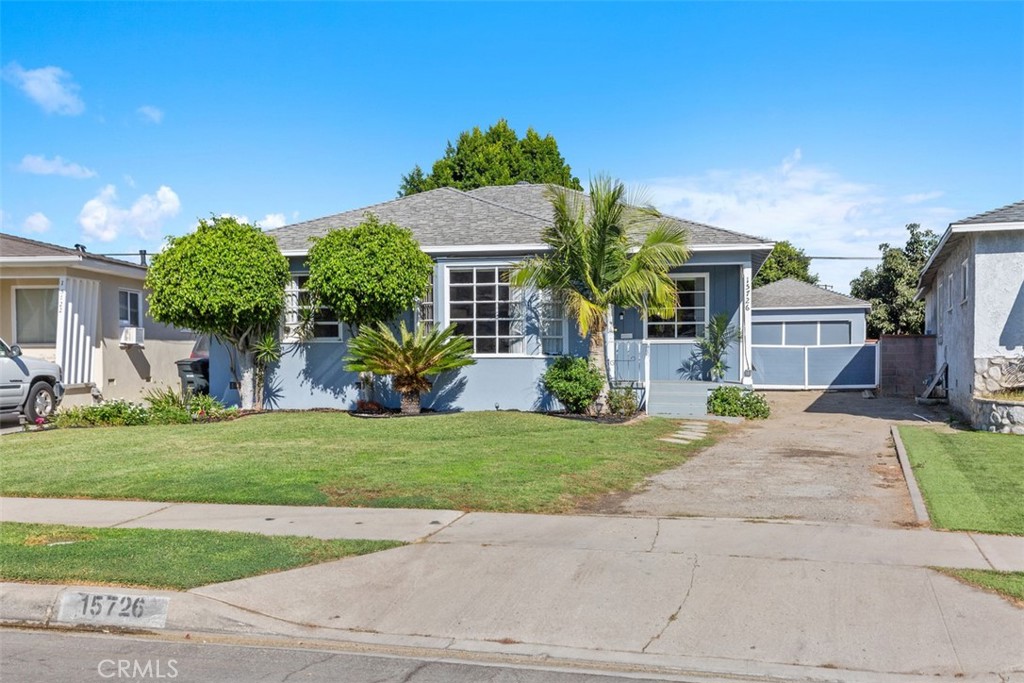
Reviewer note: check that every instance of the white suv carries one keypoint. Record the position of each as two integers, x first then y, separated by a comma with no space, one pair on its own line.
29,386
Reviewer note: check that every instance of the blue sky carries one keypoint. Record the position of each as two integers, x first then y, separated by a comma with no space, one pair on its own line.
829,124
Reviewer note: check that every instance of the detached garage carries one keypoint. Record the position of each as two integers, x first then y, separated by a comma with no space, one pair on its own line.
806,337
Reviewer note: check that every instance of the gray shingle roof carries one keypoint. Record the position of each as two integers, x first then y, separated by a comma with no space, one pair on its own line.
1011,213
15,246
790,293
446,217
532,199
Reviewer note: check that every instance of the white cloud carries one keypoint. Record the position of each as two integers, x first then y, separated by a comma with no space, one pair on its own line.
813,206
37,223
273,220
919,197
150,113
129,181
102,218
40,165
50,87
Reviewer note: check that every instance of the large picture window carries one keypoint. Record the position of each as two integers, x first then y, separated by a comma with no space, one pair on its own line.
485,308
691,312
323,325
35,315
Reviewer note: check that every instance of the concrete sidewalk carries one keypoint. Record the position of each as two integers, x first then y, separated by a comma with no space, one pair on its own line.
794,601
318,522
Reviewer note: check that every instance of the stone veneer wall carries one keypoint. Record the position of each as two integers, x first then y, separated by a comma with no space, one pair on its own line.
1001,372
1006,417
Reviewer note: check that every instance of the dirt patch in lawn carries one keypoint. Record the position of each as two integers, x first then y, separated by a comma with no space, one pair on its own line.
822,456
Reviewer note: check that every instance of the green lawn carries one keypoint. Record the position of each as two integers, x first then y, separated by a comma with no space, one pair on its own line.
971,481
157,558
1008,584
502,461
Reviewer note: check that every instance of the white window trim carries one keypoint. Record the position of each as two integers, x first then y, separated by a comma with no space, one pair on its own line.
14,316
964,281
138,294
293,288
445,317
707,310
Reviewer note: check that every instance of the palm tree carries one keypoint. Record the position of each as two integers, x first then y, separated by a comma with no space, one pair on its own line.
715,343
606,251
410,359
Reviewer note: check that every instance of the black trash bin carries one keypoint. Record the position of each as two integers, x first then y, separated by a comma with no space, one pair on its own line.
194,374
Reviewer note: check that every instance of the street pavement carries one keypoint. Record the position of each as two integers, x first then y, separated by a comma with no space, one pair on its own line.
790,600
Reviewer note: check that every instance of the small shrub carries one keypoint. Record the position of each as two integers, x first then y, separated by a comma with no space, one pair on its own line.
169,415
733,401
622,401
115,413
167,398
574,382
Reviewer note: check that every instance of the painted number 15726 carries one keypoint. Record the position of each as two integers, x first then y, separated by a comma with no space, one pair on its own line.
112,605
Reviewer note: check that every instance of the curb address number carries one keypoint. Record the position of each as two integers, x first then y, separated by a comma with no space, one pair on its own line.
116,609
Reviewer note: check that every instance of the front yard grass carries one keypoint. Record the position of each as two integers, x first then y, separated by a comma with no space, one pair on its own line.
157,558
498,461
1007,584
971,481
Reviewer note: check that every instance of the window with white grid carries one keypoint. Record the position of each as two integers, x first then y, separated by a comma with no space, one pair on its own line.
425,309
552,324
486,309
324,324
691,314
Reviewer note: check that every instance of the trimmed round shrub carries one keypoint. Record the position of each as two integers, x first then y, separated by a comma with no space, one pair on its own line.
574,382
622,401
733,401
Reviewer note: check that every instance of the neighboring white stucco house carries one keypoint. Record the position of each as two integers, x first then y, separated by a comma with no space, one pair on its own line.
88,314
973,288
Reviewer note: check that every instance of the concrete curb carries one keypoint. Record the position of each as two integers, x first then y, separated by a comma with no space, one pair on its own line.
202,619
916,499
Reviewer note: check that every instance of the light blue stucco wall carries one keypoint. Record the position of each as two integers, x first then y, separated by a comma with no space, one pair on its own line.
675,360
311,375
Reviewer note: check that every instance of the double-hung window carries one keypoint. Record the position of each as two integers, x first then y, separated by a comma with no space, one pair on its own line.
691,312
949,292
552,324
305,322
129,308
425,310
963,282
486,309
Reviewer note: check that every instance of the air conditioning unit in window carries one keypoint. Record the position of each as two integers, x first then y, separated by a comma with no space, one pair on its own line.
133,336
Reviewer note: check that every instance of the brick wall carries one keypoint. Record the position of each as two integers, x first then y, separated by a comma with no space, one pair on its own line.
905,362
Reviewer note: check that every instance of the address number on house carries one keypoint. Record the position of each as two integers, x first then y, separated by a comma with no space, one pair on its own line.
113,609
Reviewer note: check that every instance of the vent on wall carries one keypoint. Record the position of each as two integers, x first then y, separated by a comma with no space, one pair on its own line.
133,336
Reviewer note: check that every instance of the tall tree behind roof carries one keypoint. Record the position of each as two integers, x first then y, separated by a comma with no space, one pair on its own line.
495,157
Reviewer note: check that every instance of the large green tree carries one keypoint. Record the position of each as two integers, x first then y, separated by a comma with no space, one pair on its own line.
370,273
892,285
226,279
785,261
608,251
495,157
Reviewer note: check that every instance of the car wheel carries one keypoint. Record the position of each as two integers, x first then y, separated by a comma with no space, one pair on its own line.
41,402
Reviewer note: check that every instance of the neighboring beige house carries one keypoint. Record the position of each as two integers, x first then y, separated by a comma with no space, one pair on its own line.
88,314
973,289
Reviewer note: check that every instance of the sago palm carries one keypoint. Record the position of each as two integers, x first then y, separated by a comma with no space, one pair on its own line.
606,250
411,359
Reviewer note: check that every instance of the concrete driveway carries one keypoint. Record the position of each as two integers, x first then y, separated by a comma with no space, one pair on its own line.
822,456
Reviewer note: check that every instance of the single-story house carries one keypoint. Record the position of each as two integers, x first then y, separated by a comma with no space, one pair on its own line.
87,313
809,337
475,238
973,289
